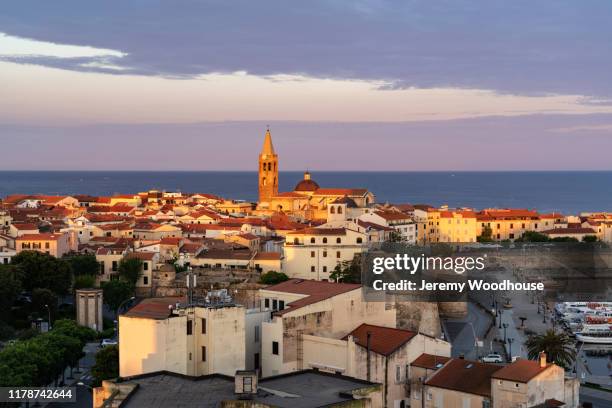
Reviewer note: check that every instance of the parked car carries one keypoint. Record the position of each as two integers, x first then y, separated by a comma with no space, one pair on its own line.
492,358
108,342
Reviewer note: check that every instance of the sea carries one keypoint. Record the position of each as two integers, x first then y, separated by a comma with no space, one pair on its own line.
569,192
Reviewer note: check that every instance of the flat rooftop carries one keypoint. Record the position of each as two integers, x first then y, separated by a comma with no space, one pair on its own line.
305,389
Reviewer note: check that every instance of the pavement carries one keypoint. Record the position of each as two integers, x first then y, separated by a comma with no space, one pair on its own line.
599,399
466,334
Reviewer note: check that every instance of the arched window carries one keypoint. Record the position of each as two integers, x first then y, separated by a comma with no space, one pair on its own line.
269,166
296,241
339,209
338,240
332,209
312,240
263,181
359,240
325,240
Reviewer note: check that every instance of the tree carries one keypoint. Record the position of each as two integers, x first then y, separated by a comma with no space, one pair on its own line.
130,270
395,236
272,278
486,236
532,236
10,288
107,365
347,271
43,298
39,270
589,238
84,281
83,264
116,292
559,348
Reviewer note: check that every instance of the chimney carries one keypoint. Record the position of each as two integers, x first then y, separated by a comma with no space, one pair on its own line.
245,384
542,357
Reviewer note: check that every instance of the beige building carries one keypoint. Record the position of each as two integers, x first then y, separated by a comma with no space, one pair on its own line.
445,225
373,353
308,307
149,231
402,223
161,334
109,258
56,245
460,383
313,253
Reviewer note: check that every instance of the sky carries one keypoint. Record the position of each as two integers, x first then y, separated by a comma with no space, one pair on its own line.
343,85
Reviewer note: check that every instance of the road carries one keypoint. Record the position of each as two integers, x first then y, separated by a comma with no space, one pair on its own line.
599,399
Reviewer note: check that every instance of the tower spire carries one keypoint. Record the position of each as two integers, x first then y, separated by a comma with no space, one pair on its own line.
268,148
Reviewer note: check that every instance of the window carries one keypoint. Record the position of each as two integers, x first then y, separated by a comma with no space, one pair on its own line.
398,374
114,266
325,269
511,226
203,326
339,210
511,236
275,348
203,353
281,305
247,384
332,209
312,254
312,240
189,327
338,240
274,304
337,254
296,241
267,303
46,245
359,240
145,280
324,254
325,240
312,269
145,266
256,334
486,404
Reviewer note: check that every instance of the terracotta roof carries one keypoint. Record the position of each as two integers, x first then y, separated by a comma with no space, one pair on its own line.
374,226
171,241
383,340
569,231
143,256
462,213
466,376
154,308
25,226
267,256
248,235
430,361
341,191
40,237
392,215
315,291
306,185
508,213
551,215
235,254
290,194
520,371
350,203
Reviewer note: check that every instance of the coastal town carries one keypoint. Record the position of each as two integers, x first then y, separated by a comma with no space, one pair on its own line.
215,301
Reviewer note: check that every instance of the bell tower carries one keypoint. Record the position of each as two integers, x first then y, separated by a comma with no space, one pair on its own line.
268,170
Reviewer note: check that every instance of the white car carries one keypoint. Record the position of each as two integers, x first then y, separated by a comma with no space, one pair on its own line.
108,342
492,358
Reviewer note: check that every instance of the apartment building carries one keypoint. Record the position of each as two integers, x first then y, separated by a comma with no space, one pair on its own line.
313,253
373,353
443,225
56,245
401,223
166,334
309,307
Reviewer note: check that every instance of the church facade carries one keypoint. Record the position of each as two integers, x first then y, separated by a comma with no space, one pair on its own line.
308,200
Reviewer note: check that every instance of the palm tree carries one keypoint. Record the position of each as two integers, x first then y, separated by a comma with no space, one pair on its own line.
559,348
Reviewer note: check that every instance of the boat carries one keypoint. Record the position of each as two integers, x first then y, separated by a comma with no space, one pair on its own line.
595,334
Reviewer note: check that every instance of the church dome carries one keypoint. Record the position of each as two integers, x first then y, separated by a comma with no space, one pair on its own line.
307,184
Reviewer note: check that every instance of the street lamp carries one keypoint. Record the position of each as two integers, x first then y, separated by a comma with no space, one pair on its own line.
500,312
49,315
510,341
544,312
505,327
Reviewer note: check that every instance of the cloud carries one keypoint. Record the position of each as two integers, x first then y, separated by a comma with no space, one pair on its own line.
584,128
518,47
